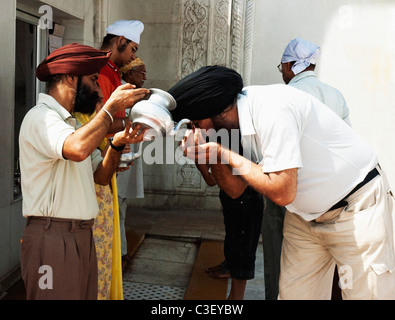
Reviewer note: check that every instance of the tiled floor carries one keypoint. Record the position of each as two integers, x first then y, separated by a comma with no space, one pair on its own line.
160,270
168,252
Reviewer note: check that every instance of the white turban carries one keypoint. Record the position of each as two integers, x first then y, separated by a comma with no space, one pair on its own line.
130,29
302,52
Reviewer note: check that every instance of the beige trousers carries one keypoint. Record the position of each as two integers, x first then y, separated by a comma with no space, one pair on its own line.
359,238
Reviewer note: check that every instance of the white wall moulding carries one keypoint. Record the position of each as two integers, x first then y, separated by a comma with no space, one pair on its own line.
243,12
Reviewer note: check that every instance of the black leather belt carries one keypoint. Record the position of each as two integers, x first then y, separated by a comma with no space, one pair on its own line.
369,177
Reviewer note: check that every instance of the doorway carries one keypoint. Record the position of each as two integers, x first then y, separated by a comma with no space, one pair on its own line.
30,48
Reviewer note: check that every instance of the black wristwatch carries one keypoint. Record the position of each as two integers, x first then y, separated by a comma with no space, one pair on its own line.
119,149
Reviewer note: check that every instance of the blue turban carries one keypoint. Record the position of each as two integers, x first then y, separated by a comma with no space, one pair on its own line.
302,52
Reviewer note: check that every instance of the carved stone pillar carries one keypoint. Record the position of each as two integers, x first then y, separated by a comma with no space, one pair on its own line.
214,32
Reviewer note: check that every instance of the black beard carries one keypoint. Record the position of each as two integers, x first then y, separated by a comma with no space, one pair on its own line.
86,99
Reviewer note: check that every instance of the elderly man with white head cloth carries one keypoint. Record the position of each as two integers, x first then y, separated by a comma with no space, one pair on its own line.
297,67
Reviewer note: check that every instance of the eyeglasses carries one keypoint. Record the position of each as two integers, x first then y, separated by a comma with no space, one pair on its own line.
280,68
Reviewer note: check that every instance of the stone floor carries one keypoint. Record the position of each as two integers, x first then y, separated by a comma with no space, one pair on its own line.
160,270
163,263
183,224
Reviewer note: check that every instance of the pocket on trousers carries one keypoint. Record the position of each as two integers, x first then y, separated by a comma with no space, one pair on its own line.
382,281
26,243
28,255
360,208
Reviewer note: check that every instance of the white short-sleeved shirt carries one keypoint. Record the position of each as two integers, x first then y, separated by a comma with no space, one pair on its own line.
283,128
51,185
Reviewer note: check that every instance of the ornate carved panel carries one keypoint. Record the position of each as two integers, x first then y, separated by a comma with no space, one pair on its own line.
220,33
188,177
194,28
213,33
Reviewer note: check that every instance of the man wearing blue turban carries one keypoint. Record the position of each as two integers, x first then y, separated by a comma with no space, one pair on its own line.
297,67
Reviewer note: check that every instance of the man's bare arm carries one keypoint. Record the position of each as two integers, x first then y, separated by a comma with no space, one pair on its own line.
80,145
110,163
279,186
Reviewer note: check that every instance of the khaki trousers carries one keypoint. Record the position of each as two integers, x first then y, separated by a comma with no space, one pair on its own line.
359,238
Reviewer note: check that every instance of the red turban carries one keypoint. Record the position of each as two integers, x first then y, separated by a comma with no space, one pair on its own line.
73,59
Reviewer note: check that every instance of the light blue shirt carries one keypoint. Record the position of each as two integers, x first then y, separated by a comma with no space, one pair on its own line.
307,81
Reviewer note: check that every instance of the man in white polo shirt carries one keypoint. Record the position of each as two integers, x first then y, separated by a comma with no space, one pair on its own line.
59,165
304,157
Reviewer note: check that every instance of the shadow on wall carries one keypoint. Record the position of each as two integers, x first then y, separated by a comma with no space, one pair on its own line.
357,52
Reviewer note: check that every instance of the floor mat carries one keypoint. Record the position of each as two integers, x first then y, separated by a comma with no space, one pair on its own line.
147,291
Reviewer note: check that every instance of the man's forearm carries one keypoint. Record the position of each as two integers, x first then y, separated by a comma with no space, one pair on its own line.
81,144
279,186
85,140
111,159
118,125
207,176
107,167
231,184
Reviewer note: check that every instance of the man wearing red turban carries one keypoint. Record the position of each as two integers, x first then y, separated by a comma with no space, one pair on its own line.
59,165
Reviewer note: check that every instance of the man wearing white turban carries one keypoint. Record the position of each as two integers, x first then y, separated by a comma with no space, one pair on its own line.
297,67
123,39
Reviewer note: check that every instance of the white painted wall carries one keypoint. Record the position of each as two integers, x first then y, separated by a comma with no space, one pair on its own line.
357,40
159,44
11,220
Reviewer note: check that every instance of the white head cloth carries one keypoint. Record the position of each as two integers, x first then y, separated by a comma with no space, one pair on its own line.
302,52
130,29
